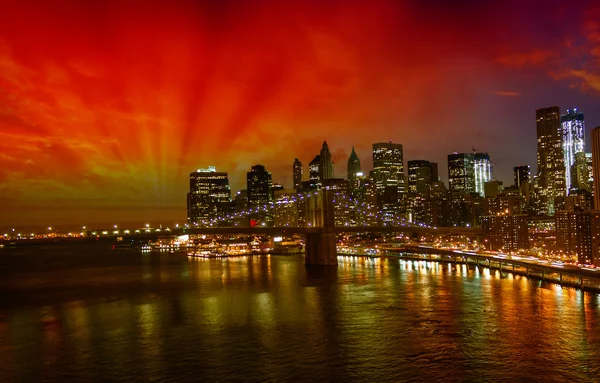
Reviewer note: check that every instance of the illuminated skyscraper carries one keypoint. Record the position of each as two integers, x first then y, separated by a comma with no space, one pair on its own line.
551,160
353,169
596,165
209,195
326,164
388,166
573,136
297,169
522,175
461,172
483,171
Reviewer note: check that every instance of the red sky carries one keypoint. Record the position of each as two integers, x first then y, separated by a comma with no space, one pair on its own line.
107,106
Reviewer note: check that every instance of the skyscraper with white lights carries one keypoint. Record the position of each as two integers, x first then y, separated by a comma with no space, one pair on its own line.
573,140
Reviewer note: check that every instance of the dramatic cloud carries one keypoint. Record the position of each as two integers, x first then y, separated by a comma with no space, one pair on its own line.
105,107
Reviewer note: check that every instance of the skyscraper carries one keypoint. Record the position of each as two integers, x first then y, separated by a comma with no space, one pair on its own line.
209,195
596,165
461,172
326,164
522,174
314,174
297,172
260,192
353,168
573,140
388,166
551,160
483,171
421,174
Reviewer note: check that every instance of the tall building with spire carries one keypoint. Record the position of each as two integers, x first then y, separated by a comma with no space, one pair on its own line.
326,164
297,174
573,141
550,159
353,168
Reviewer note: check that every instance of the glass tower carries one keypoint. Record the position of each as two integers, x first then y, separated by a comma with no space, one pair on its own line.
573,140
483,171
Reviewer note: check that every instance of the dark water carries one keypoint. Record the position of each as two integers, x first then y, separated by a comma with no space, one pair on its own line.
87,314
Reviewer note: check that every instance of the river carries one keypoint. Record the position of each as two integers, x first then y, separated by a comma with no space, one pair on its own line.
86,313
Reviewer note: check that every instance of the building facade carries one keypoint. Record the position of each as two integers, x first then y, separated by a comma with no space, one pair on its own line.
388,166
353,169
209,196
596,165
461,172
297,174
550,159
573,140
522,175
260,194
325,164
505,232
483,171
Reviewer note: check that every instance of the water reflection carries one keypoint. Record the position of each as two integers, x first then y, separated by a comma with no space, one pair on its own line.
153,317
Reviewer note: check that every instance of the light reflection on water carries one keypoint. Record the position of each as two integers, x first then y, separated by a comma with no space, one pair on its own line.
97,315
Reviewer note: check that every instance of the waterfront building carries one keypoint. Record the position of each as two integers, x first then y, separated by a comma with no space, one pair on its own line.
297,174
551,160
578,234
573,140
209,195
505,232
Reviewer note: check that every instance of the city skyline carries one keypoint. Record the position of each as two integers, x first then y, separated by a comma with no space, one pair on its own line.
109,123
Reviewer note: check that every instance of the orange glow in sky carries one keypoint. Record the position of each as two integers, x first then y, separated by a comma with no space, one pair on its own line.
107,106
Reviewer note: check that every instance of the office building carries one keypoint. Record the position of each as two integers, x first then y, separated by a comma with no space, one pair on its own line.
260,194
325,164
522,175
314,175
461,172
297,174
388,167
596,165
573,140
209,196
285,211
505,232
551,160
483,171
353,169
578,235
421,174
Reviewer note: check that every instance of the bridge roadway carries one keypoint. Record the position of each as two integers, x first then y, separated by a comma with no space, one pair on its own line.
587,278
336,229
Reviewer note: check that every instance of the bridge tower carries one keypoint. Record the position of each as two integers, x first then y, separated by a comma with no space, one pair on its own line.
320,245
